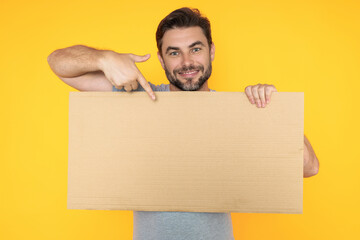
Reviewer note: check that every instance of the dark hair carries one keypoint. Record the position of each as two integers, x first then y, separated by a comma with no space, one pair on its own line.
183,17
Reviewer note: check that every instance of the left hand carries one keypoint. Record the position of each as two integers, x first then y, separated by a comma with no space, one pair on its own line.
260,94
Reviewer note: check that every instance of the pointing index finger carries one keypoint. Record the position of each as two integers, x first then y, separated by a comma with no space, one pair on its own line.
146,86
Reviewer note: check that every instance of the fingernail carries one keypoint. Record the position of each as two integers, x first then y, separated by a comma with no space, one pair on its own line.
153,97
263,104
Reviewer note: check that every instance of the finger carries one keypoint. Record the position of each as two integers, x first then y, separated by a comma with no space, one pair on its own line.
261,91
138,58
117,86
146,86
269,90
255,94
128,87
134,85
249,94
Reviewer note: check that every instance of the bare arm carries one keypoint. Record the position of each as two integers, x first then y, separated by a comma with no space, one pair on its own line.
89,69
75,61
311,163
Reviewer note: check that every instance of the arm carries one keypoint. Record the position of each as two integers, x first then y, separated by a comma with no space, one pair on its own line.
260,95
89,69
75,61
311,163
79,67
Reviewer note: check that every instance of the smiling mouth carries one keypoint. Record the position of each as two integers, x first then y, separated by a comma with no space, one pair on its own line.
191,73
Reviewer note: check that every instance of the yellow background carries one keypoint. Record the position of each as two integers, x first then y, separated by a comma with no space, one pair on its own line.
299,46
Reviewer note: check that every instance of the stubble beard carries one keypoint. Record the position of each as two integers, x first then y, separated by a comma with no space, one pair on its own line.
189,85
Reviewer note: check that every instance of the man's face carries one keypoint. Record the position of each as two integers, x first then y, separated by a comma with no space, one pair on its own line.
186,58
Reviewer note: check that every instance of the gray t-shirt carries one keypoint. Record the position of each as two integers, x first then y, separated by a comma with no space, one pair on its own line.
180,225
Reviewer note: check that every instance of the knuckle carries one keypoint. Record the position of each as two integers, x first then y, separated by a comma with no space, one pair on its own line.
127,88
118,86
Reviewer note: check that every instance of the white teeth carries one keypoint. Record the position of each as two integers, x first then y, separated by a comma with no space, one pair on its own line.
188,72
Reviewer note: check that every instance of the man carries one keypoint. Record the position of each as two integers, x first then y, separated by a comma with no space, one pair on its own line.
185,51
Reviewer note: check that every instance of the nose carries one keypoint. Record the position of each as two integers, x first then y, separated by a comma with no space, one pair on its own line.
187,60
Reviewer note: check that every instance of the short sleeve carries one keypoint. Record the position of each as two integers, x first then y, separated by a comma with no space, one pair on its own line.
155,88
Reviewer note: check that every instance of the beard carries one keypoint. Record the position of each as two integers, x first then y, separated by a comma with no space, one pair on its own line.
189,85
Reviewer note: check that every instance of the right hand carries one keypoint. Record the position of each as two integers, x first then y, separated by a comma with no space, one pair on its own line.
121,71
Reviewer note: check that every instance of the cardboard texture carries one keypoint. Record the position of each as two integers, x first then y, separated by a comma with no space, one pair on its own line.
187,151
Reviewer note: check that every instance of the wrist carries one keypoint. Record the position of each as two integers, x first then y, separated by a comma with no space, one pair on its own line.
103,56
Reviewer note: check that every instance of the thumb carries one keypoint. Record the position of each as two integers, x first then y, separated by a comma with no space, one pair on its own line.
138,58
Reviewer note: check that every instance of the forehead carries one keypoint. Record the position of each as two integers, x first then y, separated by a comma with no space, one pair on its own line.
183,37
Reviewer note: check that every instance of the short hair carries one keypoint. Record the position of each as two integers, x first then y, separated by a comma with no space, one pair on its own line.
183,17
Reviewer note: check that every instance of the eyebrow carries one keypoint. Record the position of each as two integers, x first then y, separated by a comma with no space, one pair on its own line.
190,46
196,43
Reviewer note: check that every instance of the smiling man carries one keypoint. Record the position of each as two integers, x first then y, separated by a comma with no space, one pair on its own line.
186,52
187,64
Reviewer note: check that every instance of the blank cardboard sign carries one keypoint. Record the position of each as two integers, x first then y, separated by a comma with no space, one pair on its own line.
186,151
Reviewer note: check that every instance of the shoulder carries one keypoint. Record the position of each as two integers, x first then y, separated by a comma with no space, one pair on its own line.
158,88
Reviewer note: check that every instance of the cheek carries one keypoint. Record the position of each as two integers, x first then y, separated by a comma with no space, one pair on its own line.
202,59
171,65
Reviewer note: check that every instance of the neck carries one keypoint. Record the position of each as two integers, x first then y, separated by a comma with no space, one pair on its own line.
204,87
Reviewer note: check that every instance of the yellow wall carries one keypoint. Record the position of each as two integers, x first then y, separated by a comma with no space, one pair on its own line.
299,46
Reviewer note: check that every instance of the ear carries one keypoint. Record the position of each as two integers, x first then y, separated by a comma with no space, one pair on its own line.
212,51
161,60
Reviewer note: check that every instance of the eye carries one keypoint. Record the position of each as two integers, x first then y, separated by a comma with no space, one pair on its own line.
173,53
196,49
